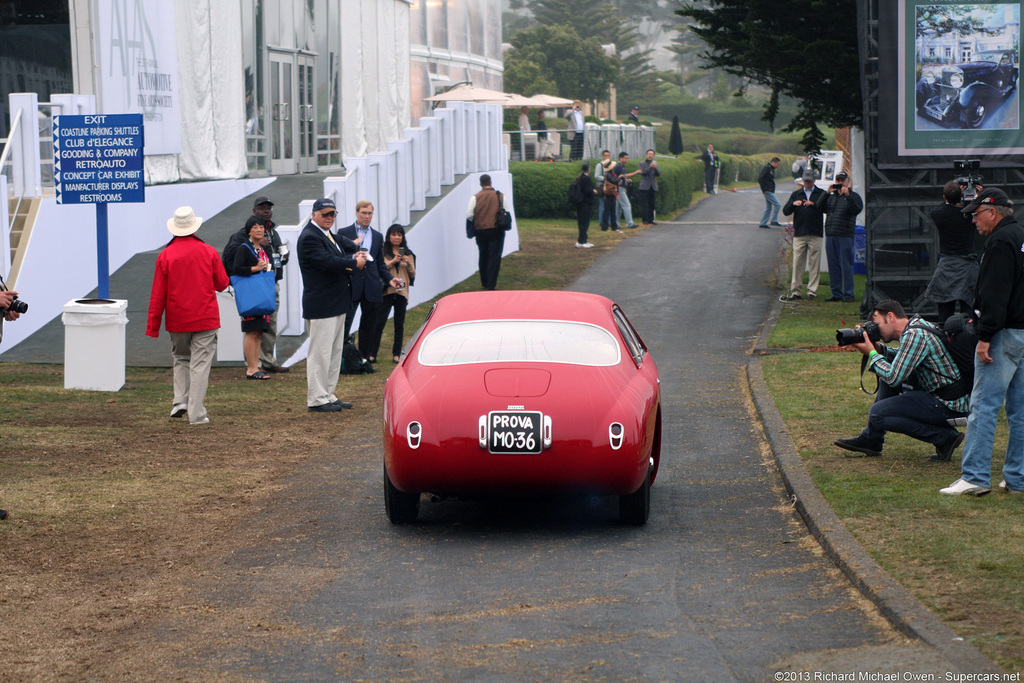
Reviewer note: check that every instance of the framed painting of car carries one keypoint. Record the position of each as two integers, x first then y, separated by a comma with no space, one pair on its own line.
958,79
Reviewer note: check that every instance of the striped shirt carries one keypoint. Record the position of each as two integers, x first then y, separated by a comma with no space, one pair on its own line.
922,355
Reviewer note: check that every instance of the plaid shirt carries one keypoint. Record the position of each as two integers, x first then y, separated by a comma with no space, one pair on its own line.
921,355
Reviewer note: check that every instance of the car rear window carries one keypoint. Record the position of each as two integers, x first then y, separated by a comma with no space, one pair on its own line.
496,341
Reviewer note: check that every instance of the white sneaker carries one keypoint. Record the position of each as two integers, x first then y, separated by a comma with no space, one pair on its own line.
585,245
963,487
179,409
1006,489
206,420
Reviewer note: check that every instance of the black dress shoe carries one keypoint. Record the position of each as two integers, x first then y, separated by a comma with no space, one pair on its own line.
834,298
276,368
859,444
341,404
325,408
944,452
775,224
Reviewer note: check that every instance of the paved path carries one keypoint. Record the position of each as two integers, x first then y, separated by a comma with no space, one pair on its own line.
723,584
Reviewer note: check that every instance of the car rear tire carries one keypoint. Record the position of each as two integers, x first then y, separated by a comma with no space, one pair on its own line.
635,508
402,508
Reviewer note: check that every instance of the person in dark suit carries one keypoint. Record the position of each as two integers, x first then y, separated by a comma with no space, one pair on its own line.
367,283
326,263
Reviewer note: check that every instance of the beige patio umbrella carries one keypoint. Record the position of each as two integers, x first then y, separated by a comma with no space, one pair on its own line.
522,101
551,101
469,93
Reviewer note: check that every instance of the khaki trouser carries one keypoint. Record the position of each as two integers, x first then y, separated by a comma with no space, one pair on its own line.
806,254
323,361
193,355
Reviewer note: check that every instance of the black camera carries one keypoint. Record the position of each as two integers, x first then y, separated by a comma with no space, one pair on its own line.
18,306
968,177
835,188
847,336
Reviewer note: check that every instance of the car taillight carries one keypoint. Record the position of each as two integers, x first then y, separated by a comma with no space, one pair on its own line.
413,434
615,434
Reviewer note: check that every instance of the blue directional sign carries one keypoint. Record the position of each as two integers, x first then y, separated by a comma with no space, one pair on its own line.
98,159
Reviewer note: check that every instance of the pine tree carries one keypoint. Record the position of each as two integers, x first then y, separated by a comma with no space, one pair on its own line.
675,138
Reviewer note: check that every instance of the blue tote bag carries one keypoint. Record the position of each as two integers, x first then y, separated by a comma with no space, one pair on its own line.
255,294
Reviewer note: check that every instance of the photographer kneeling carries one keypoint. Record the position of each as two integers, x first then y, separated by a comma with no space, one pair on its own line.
934,394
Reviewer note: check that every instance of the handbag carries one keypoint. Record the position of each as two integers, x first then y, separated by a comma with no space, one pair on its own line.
504,219
610,188
255,294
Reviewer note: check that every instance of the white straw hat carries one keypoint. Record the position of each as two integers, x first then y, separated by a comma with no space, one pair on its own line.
185,222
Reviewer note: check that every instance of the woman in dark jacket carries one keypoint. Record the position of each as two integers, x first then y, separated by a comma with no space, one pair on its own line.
251,258
585,207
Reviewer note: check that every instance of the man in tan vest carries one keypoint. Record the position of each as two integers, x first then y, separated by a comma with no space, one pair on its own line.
490,240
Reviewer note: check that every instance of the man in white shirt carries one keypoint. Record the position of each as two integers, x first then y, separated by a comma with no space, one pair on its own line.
576,123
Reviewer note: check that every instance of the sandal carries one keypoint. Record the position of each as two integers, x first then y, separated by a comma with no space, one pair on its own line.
259,374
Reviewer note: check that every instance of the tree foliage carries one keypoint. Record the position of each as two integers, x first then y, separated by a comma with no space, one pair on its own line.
675,138
806,50
637,82
543,55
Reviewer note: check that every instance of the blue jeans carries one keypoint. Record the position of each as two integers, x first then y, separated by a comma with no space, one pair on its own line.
839,252
624,206
771,209
915,413
600,210
1001,379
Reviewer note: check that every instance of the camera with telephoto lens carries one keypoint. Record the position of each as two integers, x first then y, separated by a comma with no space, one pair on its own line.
847,336
968,178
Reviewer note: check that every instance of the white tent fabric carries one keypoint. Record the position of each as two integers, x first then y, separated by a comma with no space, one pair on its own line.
212,98
375,86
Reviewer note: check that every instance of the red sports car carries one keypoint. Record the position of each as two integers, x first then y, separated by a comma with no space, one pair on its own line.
523,392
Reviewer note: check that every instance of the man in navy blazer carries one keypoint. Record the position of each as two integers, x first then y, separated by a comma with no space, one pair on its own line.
368,283
326,263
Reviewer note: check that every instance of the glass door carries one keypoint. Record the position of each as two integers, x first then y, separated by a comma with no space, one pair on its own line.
306,113
283,114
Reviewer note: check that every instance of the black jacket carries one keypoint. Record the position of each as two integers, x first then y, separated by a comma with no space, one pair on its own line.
326,290
840,213
369,282
766,178
1000,292
807,217
242,236
957,234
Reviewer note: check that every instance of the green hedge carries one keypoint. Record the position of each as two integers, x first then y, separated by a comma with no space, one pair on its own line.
541,189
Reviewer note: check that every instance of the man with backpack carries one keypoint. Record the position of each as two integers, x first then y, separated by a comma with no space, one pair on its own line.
999,364
919,385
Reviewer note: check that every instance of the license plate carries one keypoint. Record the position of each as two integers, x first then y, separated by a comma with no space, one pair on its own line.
515,432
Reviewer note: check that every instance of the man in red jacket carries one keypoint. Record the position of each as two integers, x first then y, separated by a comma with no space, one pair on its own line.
188,275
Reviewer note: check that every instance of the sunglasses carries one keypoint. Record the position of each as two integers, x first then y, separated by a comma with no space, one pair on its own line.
328,214
981,211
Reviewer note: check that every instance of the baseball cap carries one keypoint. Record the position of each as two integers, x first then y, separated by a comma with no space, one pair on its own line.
808,175
324,203
262,199
841,176
991,196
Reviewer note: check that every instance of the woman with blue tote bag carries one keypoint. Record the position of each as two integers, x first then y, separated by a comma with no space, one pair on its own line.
251,268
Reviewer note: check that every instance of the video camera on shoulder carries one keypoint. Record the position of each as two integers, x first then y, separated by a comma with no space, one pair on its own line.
848,336
968,177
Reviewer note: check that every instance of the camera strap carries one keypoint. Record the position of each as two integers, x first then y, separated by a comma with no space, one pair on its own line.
863,369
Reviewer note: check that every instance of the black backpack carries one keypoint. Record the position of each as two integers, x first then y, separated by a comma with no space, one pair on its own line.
575,196
959,336
352,363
